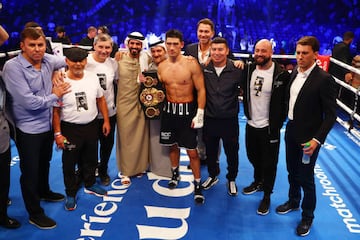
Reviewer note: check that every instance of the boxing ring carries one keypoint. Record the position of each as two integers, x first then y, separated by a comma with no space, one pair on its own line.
147,209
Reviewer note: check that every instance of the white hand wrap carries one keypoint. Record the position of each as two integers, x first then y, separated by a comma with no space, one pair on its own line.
198,120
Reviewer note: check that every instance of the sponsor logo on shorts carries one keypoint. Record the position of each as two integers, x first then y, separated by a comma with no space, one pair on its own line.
165,135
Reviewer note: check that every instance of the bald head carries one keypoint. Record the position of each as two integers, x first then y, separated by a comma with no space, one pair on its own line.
263,53
264,44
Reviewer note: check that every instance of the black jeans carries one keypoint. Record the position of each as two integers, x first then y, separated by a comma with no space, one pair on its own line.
106,144
228,131
85,139
35,152
262,153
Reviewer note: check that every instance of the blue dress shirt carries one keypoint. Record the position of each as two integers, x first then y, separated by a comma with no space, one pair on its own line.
31,99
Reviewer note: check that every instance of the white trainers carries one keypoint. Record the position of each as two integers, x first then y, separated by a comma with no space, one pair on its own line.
232,188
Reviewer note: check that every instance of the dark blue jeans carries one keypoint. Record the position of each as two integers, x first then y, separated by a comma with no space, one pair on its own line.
300,175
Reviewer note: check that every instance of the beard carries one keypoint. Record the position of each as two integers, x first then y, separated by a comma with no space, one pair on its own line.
261,61
134,51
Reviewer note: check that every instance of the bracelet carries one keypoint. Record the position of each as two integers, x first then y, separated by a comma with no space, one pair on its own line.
57,134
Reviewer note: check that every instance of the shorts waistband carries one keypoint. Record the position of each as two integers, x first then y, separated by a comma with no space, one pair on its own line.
181,109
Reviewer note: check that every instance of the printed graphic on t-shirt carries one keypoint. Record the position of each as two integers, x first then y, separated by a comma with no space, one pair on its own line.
81,101
102,80
258,85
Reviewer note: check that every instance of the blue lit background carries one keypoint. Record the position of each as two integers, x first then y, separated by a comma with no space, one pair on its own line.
240,21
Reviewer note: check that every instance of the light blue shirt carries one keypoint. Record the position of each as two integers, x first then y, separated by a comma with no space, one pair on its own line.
31,99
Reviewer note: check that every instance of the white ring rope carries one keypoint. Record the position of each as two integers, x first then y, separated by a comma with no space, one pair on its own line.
352,112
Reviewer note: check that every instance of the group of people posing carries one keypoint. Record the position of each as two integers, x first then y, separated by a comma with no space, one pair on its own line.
97,94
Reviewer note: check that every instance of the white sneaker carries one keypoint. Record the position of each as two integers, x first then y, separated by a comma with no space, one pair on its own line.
232,188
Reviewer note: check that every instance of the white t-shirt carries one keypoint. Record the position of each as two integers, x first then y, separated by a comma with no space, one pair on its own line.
219,70
107,73
260,91
79,106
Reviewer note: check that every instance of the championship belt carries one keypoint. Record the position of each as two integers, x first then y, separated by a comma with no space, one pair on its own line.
152,95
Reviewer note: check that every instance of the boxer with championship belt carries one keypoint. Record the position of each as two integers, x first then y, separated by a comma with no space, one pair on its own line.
182,78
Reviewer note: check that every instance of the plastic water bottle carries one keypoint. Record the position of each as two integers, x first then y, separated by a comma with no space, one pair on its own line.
305,157
68,146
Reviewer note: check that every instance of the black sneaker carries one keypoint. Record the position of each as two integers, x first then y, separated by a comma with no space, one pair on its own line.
210,181
232,188
51,196
303,228
286,207
174,181
252,188
264,206
42,221
198,196
9,223
104,179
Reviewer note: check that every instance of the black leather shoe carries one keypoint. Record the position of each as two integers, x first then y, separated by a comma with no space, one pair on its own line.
10,223
286,207
252,188
42,221
52,197
303,228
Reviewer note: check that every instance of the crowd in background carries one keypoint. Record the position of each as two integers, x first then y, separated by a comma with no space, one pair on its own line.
301,138
240,22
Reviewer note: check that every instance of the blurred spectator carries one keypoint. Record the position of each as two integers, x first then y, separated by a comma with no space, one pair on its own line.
89,39
61,36
354,81
341,52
